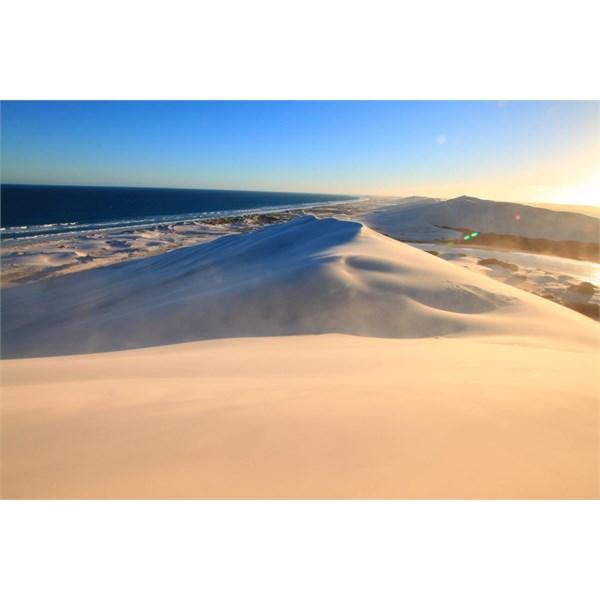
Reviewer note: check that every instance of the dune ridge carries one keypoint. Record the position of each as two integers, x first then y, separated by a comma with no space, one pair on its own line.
306,276
426,380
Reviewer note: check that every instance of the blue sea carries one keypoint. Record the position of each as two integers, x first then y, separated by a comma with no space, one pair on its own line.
42,210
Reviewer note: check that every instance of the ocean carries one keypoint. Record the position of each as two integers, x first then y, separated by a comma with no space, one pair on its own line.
42,210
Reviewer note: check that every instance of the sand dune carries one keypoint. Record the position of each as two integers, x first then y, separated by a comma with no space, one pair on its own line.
308,276
424,220
330,416
425,380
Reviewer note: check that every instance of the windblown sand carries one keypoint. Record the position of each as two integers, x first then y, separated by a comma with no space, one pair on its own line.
313,359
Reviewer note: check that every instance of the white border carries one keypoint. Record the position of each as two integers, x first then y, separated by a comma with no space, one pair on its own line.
315,49
320,549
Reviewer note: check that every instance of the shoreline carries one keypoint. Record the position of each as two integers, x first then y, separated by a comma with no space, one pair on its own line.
40,257
28,261
34,231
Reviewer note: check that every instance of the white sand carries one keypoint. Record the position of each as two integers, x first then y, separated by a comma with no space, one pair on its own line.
536,273
306,276
304,417
25,260
427,381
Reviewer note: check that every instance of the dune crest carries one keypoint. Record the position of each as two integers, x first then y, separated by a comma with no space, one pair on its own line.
307,276
495,395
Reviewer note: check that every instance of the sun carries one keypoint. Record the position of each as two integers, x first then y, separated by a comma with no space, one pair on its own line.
586,192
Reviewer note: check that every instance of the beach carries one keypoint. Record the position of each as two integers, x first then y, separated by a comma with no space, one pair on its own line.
302,354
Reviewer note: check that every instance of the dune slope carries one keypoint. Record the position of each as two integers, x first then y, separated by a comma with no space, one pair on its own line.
308,276
331,416
457,386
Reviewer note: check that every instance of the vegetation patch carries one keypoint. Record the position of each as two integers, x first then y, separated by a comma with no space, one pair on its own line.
491,262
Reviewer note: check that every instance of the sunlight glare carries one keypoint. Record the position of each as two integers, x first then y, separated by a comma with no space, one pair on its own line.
586,192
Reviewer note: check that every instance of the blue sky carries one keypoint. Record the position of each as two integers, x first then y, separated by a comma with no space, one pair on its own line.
522,151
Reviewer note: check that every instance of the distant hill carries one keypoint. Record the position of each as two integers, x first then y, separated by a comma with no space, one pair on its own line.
407,221
591,211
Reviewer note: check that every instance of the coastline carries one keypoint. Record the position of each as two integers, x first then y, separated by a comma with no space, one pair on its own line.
49,256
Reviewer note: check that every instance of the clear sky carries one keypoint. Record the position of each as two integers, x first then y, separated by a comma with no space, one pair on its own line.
516,151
